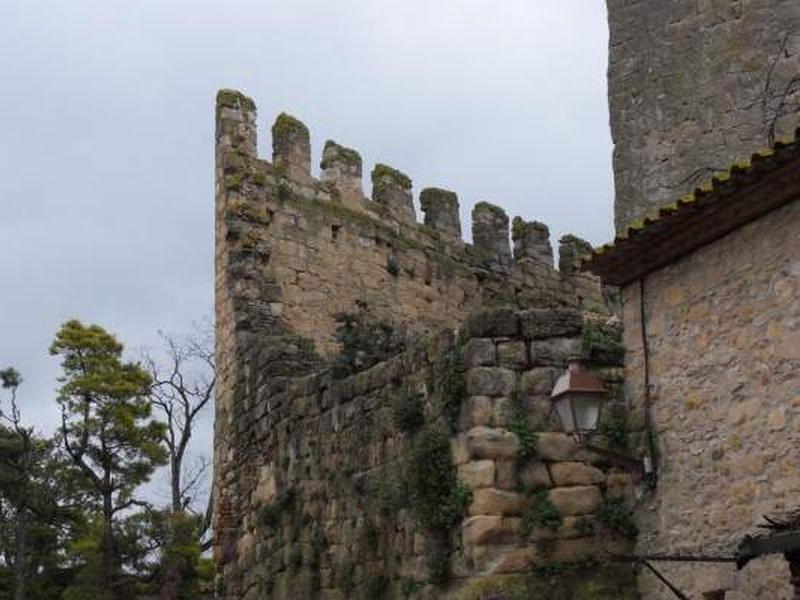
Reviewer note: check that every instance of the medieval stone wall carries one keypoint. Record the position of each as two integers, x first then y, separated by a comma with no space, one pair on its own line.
694,86
320,487
723,332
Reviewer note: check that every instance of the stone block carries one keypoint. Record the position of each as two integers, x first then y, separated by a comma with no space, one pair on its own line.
556,447
441,211
477,473
458,449
619,486
490,381
539,380
579,500
489,529
492,322
573,550
542,323
516,560
535,476
490,231
487,442
479,352
506,474
503,411
512,354
490,501
575,473
554,352
478,410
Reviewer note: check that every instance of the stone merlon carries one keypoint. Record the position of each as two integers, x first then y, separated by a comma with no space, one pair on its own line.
490,230
571,251
341,168
236,122
392,189
291,147
441,211
531,241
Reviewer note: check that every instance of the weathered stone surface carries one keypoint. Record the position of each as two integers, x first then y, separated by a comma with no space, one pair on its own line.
489,529
490,381
492,322
312,435
506,474
542,323
490,501
392,189
681,109
532,241
486,442
554,352
571,250
580,500
479,352
576,473
478,410
490,230
534,476
539,380
512,354
478,473
441,211
554,446
341,168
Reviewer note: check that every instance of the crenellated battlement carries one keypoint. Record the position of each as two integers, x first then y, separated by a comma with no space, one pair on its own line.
391,202
298,254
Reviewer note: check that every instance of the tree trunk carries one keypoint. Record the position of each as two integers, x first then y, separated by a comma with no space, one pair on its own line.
21,555
109,560
175,482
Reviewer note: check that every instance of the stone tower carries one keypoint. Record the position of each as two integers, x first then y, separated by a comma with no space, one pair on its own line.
694,86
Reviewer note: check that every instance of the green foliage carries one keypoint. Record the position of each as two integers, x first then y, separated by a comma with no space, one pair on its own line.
296,558
107,429
408,414
584,526
376,587
602,345
542,513
347,577
371,535
615,427
364,342
451,386
520,425
380,171
438,499
409,587
270,515
392,266
617,517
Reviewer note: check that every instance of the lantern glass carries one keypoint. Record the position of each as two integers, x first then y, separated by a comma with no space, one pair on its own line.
579,412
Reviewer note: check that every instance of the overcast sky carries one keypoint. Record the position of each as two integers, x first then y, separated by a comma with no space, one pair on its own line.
107,132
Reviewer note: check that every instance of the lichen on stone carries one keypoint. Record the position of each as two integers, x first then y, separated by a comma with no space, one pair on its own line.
382,172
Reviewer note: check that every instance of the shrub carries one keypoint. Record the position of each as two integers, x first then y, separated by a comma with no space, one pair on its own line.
542,513
364,343
407,411
617,517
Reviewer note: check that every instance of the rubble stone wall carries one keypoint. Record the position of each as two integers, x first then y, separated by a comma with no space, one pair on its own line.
319,480
694,86
723,332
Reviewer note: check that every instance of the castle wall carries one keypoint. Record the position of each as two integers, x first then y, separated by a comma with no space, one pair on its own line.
723,331
305,458
694,86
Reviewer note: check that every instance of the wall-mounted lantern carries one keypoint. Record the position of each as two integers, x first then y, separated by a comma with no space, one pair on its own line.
578,397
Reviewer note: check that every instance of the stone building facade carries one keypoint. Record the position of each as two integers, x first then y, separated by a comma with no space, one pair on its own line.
711,292
383,426
695,85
